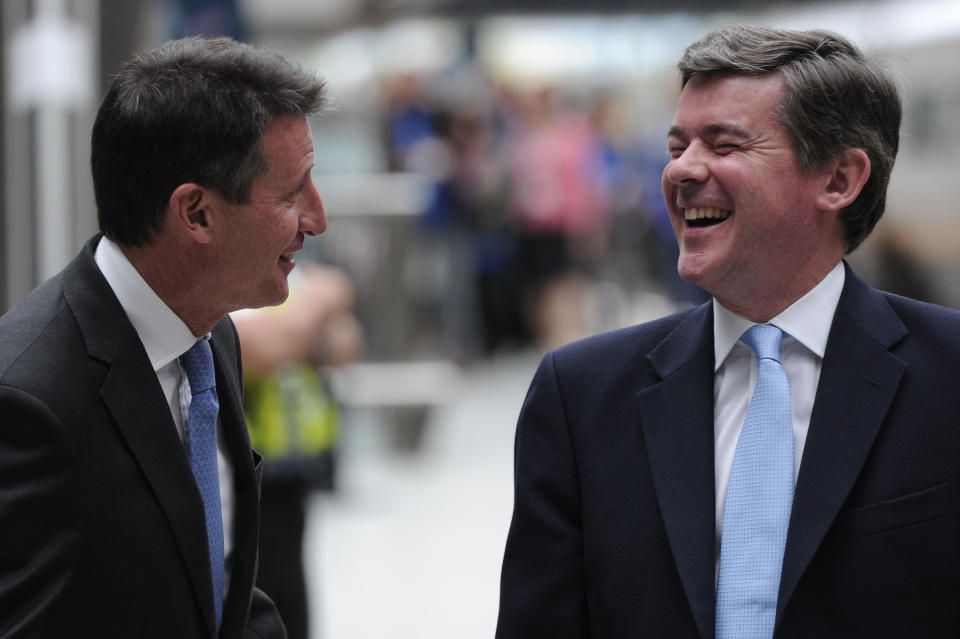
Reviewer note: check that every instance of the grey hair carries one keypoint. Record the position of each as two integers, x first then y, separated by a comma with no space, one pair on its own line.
834,100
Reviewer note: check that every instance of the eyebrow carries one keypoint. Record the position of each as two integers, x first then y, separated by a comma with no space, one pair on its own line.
713,130
306,175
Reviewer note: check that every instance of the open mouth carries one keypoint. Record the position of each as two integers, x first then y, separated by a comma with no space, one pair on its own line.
705,216
287,257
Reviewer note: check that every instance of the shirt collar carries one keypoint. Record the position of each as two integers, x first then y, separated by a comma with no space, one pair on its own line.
807,320
164,335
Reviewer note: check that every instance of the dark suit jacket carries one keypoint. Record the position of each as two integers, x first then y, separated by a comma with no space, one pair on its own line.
102,529
613,531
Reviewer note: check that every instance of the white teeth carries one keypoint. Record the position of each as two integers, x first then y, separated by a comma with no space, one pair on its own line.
287,256
705,212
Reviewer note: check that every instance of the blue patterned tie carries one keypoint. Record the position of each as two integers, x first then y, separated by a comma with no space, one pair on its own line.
202,439
756,514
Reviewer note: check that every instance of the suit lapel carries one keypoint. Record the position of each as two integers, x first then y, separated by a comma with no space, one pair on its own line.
246,491
858,381
135,400
145,422
676,416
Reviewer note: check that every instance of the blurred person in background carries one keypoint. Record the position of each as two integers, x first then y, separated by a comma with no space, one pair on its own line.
128,487
897,268
559,204
515,230
783,460
293,418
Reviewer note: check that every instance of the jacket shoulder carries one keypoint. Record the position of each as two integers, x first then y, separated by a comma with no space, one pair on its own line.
625,343
910,309
927,324
27,329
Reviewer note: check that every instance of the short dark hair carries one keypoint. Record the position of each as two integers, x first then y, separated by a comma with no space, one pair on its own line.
192,110
834,101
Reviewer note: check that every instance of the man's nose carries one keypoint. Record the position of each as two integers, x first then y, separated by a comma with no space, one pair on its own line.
691,165
313,220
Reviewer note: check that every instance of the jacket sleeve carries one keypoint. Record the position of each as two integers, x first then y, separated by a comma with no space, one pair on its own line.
40,507
542,591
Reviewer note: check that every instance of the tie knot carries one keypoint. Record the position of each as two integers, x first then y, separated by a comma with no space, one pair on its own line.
198,363
764,339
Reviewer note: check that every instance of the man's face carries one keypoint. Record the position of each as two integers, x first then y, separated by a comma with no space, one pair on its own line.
258,244
744,214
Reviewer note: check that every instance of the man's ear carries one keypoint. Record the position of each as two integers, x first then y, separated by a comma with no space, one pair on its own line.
847,175
190,206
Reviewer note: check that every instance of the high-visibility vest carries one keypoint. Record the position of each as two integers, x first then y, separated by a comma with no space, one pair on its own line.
292,418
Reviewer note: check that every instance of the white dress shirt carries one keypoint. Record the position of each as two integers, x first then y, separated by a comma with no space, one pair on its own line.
806,323
165,338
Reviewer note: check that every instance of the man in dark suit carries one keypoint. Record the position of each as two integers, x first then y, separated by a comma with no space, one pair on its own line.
201,158
780,154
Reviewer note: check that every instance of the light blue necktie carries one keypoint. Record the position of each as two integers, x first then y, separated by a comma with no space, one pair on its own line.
759,498
202,440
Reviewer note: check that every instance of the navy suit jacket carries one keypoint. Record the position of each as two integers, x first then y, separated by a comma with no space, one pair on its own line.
613,531
103,529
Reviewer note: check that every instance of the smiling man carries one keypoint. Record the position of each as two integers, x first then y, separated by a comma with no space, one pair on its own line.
783,461
128,488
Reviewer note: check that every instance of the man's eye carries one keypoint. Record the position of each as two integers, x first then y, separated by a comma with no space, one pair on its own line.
725,148
676,151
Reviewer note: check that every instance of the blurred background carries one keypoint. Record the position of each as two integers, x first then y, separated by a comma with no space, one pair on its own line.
491,175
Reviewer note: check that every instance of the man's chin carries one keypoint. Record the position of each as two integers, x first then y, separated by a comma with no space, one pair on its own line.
275,297
692,271
280,297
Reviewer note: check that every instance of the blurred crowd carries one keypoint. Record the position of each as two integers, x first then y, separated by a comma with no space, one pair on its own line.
538,195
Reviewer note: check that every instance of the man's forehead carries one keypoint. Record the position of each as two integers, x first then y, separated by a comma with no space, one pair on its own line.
732,104
773,79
